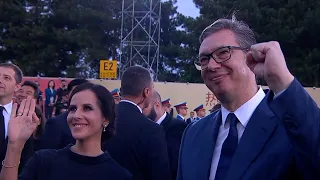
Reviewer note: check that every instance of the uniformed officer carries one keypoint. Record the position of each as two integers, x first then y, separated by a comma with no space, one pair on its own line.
182,110
200,111
116,95
167,105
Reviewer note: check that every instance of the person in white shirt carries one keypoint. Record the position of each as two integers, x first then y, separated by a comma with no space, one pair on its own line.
173,128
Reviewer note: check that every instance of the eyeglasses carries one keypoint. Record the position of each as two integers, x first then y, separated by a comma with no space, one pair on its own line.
219,55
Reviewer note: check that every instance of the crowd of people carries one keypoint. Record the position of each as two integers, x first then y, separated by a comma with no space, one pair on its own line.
252,134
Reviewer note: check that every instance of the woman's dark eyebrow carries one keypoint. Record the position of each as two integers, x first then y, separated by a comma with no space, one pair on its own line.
87,104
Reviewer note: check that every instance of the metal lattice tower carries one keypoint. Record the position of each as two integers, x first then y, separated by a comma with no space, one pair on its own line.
140,35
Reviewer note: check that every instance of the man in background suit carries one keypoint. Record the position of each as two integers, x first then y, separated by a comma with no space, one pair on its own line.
173,128
10,82
201,112
182,110
57,134
254,135
191,118
139,144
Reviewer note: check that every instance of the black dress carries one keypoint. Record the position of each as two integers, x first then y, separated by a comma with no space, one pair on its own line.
65,164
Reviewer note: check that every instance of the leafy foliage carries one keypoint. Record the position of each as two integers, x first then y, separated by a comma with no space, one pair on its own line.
68,38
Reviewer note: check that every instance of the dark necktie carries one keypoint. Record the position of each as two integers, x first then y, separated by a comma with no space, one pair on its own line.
228,148
2,127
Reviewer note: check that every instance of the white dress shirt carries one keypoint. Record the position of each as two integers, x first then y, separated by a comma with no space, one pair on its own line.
132,103
162,118
6,114
243,113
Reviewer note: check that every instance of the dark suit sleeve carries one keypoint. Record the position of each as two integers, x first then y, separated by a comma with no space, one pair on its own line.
51,137
158,166
27,153
174,136
301,118
179,173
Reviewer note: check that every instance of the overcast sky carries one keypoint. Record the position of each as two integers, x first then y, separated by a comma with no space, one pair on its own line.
187,8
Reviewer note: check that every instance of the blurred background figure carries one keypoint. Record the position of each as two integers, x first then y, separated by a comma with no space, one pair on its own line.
40,97
182,110
50,101
201,112
61,101
116,95
167,105
191,118
28,88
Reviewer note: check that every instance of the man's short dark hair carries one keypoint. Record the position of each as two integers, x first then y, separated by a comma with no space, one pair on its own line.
34,86
76,82
17,71
134,80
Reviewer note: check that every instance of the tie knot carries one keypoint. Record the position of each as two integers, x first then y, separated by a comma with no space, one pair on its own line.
233,119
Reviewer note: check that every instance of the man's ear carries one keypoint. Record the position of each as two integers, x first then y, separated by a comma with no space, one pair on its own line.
17,87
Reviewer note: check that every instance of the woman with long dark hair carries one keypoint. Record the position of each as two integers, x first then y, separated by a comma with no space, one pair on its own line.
50,99
91,120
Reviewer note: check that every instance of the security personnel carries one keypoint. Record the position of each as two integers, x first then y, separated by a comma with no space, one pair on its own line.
182,110
167,105
200,111
116,95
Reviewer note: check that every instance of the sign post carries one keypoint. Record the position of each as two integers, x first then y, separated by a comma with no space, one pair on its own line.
108,69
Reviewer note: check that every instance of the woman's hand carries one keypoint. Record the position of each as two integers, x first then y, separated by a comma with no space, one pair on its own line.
23,122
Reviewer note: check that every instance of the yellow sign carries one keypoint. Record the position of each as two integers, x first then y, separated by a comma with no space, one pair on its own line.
108,69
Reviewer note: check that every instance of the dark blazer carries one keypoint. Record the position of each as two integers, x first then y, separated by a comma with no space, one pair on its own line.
174,129
139,145
281,141
57,134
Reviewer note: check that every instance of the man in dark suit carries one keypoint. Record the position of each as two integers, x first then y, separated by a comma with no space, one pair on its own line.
139,144
173,128
57,134
254,135
10,82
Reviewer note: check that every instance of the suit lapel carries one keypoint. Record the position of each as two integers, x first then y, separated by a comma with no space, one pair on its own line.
258,131
204,145
165,123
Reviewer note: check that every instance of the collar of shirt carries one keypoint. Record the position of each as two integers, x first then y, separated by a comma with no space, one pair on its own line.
244,112
162,118
132,103
181,116
8,108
